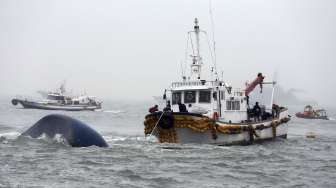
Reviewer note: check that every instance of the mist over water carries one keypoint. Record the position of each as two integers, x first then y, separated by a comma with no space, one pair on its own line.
111,48
133,161
125,52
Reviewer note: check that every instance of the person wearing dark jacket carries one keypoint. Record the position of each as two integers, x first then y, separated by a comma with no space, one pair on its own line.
275,110
256,112
168,107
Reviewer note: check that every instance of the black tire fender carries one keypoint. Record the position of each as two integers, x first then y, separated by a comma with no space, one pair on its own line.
15,102
166,121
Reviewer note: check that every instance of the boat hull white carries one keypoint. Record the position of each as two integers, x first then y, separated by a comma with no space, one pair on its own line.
194,128
186,135
46,106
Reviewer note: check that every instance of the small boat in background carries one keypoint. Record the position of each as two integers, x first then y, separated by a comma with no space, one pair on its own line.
310,113
60,101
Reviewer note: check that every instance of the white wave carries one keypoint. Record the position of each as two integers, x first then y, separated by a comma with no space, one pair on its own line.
10,135
58,138
114,138
124,138
150,139
113,111
118,139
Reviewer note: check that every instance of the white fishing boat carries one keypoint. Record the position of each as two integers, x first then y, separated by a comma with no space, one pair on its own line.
209,111
58,100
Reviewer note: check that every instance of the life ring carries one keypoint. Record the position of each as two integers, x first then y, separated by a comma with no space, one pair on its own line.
215,116
166,121
15,102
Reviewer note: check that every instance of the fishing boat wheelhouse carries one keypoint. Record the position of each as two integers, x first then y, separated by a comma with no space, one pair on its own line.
209,98
210,111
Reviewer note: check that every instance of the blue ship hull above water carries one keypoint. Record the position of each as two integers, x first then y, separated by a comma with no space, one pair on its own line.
76,133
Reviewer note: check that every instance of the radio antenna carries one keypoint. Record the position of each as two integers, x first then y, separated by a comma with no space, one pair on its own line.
213,38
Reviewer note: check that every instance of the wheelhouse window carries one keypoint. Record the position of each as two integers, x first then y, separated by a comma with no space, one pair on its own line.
214,96
237,105
176,97
204,96
189,96
221,94
232,105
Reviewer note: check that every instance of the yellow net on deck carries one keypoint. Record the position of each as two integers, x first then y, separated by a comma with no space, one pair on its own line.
199,125
230,129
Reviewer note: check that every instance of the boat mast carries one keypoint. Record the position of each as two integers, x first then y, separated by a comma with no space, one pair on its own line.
214,56
62,87
196,58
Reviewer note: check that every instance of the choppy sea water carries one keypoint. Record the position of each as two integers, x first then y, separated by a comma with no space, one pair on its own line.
133,161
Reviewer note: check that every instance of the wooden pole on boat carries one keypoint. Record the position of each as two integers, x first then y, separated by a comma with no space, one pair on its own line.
156,125
273,89
272,96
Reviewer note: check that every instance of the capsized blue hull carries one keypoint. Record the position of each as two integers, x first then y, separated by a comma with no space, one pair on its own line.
77,133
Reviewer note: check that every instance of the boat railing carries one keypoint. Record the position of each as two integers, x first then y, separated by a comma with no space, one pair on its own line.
234,91
196,83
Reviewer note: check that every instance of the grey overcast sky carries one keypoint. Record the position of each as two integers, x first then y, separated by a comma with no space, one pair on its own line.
132,49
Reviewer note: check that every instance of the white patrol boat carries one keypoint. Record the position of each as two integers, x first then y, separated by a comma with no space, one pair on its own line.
212,112
60,101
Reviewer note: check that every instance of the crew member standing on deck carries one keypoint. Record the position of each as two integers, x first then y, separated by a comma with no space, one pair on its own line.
256,112
168,107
